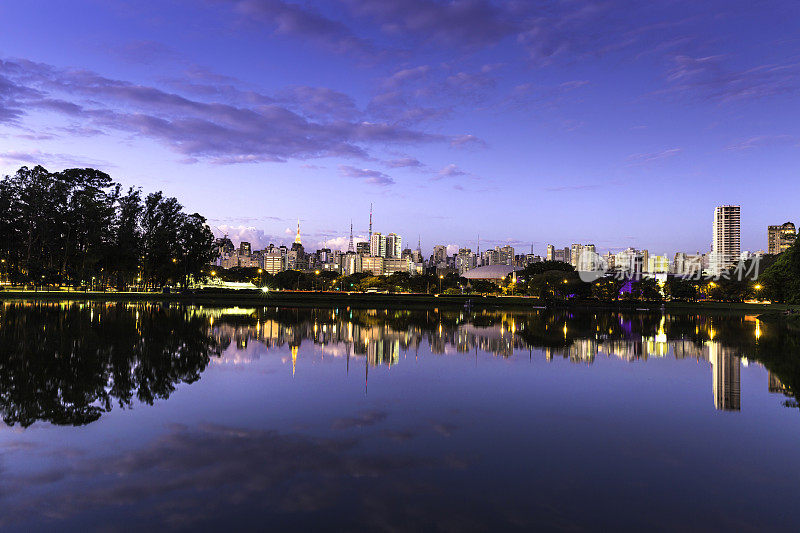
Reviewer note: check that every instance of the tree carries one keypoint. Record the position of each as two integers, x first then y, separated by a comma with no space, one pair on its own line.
680,289
607,289
646,289
781,281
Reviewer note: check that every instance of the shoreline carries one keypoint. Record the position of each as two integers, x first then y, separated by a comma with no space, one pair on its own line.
326,299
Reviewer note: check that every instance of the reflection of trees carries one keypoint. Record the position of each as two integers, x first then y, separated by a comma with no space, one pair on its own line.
68,364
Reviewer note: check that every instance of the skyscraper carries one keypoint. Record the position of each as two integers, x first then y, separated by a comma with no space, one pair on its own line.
377,245
394,246
780,238
726,245
439,254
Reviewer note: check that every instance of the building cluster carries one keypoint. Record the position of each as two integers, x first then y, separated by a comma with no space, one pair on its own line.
384,254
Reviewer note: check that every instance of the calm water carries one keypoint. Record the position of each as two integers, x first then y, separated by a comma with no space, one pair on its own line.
123,416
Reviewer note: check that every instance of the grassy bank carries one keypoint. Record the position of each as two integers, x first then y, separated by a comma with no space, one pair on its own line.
323,299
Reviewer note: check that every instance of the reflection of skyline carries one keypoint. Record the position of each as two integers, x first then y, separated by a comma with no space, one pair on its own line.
382,337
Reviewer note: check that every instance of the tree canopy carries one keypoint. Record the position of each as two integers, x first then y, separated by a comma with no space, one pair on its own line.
77,227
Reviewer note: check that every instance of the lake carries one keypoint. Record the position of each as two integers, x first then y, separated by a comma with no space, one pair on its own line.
123,416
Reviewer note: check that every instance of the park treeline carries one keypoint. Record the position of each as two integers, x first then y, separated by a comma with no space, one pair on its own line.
78,227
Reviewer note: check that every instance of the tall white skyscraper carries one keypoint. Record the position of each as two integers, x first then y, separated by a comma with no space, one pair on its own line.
726,246
377,245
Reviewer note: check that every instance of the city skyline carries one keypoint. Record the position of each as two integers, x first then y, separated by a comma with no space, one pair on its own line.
513,120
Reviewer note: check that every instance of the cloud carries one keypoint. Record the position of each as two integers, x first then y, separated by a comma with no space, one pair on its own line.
710,78
762,140
257,238
373,177
37,157
450,171
214,131
404,162
467,140
319,102
297,21
580,187
469,23
653,157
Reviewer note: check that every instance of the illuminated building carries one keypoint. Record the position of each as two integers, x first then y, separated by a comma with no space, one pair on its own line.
726,245
780,238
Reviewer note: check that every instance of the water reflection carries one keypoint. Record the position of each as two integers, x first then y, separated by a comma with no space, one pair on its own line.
381,336
68,363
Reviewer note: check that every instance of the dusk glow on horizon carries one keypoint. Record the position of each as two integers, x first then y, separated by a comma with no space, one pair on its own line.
617,123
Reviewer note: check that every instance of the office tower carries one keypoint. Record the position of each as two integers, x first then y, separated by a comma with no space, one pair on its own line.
505,255
575,253
551,252
394,246
587,260
362,248
726,245
377,245
439,254
780,238
465,260
244,248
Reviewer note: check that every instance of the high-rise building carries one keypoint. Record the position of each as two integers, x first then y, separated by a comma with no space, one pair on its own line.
394,246
377,245
551,250
505,255
575,254
439,254
780,238
362,248
245,248
726,246
465,260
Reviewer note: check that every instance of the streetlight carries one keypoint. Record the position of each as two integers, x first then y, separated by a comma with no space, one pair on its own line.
441,277
316,273
260,277
758,287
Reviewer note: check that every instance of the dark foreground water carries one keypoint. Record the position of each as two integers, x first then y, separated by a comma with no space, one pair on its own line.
132,416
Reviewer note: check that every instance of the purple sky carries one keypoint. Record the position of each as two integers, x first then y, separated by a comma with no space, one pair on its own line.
617,122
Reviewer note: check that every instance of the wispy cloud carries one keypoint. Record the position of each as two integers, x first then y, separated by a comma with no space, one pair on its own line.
762,140
711,78
373,177
450,171
653,157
